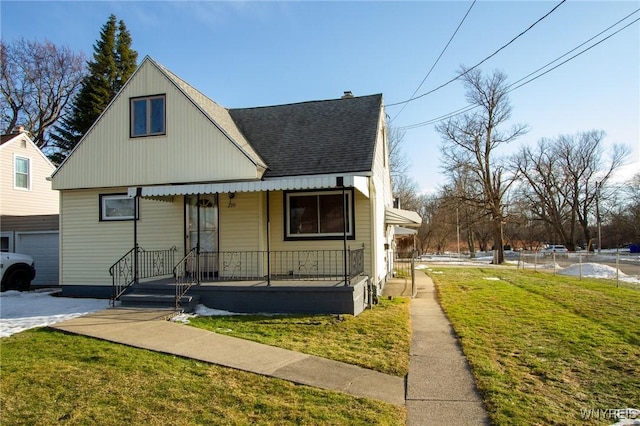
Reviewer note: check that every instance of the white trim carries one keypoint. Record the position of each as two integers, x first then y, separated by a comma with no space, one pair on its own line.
15,172
10,235
359,182
103,208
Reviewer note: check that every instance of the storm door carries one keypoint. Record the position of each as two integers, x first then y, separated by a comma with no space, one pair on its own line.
206,208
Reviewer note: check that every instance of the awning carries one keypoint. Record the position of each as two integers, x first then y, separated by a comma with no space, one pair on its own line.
361,183
400,231
402,217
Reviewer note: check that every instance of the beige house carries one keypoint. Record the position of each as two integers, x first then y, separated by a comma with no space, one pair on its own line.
279,208
28,205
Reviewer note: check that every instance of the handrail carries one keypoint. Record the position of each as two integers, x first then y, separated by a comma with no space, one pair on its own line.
139,263
122,275
186,275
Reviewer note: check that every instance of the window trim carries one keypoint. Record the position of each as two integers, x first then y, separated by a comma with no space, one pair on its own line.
148,100
17,157
351,232
102,208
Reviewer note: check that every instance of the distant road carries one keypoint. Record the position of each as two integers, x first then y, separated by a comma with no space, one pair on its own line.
626,265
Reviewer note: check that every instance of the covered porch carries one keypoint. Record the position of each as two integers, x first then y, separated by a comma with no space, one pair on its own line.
295,275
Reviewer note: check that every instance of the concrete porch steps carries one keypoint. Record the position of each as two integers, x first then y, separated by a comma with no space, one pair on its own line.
157,296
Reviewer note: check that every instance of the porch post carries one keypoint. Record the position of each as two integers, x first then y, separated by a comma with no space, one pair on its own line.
268,241
198,242
135,235
340,182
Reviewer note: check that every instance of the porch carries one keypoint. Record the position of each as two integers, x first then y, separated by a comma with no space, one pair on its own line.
307,281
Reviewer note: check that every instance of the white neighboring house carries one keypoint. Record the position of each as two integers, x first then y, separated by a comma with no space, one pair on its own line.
29,207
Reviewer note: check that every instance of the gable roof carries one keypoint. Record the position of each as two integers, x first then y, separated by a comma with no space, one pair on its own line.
6,140
219,115
317,137
299,139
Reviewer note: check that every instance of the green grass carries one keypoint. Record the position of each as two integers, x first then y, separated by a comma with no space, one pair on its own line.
544,347
378,338
48,377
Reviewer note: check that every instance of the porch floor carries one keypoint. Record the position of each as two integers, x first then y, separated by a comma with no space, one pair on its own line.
281,296
255,283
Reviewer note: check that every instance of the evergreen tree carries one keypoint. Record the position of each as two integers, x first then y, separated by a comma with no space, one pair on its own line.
113,63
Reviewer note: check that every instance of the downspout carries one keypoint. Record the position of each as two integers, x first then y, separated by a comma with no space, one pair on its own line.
268,241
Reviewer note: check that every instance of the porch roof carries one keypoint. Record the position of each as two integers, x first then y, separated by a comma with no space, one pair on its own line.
359,182
402,217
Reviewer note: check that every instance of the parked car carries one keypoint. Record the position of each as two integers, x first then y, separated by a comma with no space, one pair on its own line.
554,248
16,271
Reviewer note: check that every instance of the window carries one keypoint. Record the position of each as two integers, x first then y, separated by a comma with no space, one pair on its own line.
117,207
311,215
148,116
4,244
21,173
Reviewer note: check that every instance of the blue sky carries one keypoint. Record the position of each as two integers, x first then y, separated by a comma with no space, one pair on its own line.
244,54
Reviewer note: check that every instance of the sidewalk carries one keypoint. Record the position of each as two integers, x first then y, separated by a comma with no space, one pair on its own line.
148,329
440,387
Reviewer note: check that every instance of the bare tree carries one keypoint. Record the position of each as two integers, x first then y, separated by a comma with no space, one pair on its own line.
37,81
470,142
398,160
564,177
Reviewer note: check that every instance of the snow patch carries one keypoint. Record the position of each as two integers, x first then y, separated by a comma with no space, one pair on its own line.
21,311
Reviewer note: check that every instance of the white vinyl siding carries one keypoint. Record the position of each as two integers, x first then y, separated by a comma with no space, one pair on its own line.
89,247
381,197
193,150
40,199
240,226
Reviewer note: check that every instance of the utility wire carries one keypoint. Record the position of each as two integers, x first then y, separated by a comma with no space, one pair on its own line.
481,62
436,62
513,86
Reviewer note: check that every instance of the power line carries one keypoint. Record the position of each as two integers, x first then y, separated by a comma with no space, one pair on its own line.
437,60
482,61
513,86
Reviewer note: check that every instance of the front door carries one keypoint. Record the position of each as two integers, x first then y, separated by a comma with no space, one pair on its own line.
206,207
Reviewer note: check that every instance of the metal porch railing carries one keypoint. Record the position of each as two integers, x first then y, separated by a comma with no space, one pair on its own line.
138,264
299,265
185,273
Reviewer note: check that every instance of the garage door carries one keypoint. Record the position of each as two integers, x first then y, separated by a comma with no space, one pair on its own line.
43,247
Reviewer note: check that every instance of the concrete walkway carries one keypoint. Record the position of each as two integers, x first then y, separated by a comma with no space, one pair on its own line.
440,387
148,329
439,390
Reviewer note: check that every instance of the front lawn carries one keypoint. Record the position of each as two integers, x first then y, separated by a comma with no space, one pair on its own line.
378,338
52,378
546,350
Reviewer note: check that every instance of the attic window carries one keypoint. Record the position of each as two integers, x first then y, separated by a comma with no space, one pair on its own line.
147,116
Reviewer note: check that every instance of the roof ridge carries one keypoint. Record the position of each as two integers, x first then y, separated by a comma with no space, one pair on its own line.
310,102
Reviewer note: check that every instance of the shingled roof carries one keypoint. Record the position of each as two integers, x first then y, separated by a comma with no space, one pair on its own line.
317,137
